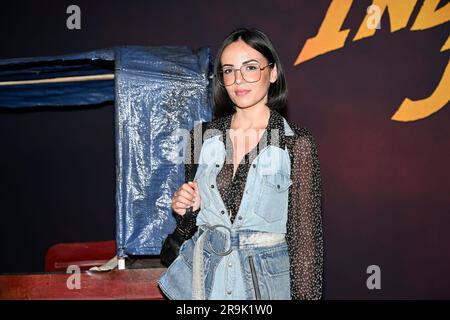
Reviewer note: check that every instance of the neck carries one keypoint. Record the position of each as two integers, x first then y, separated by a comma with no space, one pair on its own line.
256,117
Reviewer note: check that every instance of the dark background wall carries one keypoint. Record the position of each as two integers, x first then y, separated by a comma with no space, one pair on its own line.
385,183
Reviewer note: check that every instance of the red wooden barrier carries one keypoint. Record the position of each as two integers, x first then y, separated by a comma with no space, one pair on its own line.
123,284
83,254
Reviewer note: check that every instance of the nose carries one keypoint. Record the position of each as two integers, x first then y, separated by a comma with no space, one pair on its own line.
238,79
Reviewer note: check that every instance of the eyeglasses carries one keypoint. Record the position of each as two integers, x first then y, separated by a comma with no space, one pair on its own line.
250,73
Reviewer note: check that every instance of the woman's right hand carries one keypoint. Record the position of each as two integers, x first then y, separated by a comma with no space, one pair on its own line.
186,196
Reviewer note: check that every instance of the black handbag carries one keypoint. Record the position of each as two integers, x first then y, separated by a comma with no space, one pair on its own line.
171,246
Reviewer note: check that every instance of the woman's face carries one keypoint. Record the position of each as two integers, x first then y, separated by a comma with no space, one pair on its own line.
242,93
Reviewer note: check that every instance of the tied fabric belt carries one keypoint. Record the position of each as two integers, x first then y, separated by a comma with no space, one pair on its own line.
236,240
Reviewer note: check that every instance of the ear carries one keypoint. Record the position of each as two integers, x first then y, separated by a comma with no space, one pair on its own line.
273,74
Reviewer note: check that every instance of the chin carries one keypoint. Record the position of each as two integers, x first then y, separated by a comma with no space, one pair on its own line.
244,106
243,103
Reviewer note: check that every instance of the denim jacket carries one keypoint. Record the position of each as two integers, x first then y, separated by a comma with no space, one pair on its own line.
247,259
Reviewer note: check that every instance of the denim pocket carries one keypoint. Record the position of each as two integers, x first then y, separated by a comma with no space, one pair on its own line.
275,262
187,251
275,183
273,199
275,265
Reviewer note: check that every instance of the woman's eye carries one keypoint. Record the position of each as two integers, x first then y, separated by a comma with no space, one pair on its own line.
252,67
227,71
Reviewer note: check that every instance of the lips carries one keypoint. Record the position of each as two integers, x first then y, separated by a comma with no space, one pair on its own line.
241,93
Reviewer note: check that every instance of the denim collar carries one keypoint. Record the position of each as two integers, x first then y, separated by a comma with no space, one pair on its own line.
276,121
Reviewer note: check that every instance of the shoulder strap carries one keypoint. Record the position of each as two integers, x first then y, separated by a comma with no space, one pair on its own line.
195,165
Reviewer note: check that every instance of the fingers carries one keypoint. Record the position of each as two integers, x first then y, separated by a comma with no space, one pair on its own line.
181,206
183,202
187,195
188,187
184,197
194,184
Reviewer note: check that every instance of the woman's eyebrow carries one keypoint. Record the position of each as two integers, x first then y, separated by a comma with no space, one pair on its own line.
245,62
251,60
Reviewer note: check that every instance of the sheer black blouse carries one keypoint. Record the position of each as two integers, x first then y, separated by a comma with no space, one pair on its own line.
304,225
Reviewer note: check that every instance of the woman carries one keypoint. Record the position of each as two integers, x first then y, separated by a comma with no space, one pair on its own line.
257,191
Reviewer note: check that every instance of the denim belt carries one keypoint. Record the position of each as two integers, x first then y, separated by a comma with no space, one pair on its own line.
237,240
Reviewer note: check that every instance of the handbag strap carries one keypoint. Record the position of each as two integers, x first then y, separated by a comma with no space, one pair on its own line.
195,165
189,212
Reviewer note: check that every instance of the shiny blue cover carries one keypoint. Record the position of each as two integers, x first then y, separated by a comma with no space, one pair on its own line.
158,90
77,94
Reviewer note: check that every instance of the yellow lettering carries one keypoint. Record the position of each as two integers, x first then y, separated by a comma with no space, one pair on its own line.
329,37
399,14
428,17
446,45
411,110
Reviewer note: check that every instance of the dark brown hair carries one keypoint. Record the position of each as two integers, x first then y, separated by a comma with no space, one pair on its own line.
277,95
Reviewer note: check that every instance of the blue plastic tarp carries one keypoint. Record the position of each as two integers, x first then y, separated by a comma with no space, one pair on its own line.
71,93
156,90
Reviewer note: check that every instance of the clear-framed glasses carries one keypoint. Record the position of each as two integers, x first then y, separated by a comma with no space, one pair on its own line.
250,72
